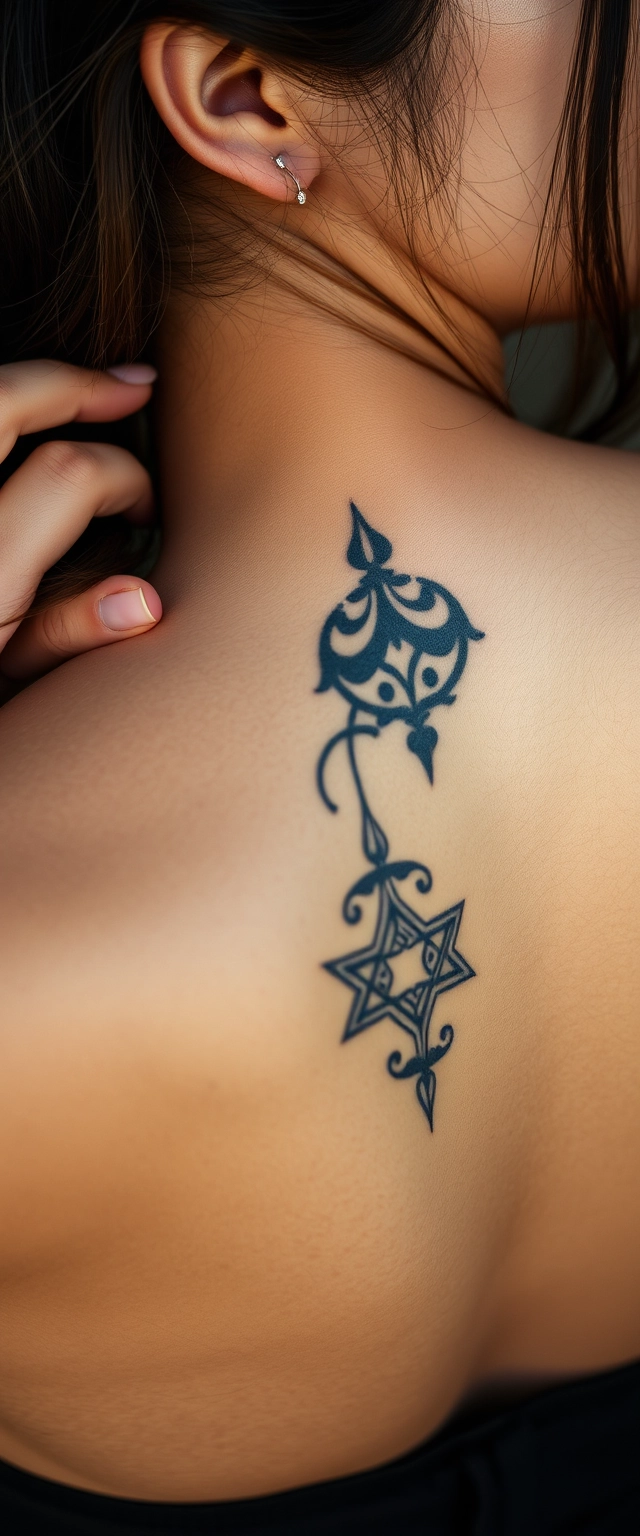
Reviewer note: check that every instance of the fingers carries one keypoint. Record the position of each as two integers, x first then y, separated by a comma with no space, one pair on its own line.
42,394
48,502
119,607
51,498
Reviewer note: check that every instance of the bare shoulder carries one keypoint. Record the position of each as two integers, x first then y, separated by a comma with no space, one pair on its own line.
198,953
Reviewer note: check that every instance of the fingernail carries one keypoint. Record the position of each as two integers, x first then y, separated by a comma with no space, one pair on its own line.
134,373
128,610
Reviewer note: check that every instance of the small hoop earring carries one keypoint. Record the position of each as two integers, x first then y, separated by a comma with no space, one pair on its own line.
300,194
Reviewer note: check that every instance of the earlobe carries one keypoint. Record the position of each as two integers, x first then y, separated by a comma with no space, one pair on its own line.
226,111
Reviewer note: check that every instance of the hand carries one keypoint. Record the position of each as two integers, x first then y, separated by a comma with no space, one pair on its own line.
50,499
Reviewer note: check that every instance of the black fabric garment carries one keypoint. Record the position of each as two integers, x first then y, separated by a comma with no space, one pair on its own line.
564,1463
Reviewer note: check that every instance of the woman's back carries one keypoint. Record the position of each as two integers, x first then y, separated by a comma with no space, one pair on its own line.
249,1262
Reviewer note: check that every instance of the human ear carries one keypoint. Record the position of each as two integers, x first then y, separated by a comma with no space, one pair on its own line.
227,109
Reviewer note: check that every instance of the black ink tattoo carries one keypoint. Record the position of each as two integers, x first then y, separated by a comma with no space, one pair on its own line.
376,649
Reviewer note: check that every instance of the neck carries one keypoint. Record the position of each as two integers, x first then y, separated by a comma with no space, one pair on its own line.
271,393
348,269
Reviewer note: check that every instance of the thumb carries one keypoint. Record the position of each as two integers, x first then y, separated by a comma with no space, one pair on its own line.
114,609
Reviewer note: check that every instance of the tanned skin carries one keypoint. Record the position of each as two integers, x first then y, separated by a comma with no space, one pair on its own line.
235,1257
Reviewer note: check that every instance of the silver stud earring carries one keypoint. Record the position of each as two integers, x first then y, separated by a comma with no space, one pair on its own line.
278,160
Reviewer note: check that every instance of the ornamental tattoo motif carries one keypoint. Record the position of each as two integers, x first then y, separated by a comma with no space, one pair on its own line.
377,650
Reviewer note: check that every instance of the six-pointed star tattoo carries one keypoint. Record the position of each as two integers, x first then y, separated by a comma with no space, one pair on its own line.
377,974
370,971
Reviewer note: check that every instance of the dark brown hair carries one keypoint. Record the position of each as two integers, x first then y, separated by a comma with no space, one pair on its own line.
92,232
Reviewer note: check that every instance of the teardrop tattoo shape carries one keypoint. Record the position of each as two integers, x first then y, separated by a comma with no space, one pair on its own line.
376,650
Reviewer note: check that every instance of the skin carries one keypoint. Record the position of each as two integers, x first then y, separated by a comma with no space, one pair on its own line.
247,1264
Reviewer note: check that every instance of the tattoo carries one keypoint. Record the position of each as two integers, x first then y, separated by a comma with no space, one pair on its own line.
375,650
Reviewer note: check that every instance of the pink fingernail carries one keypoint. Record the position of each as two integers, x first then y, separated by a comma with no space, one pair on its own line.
134,373
128,610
